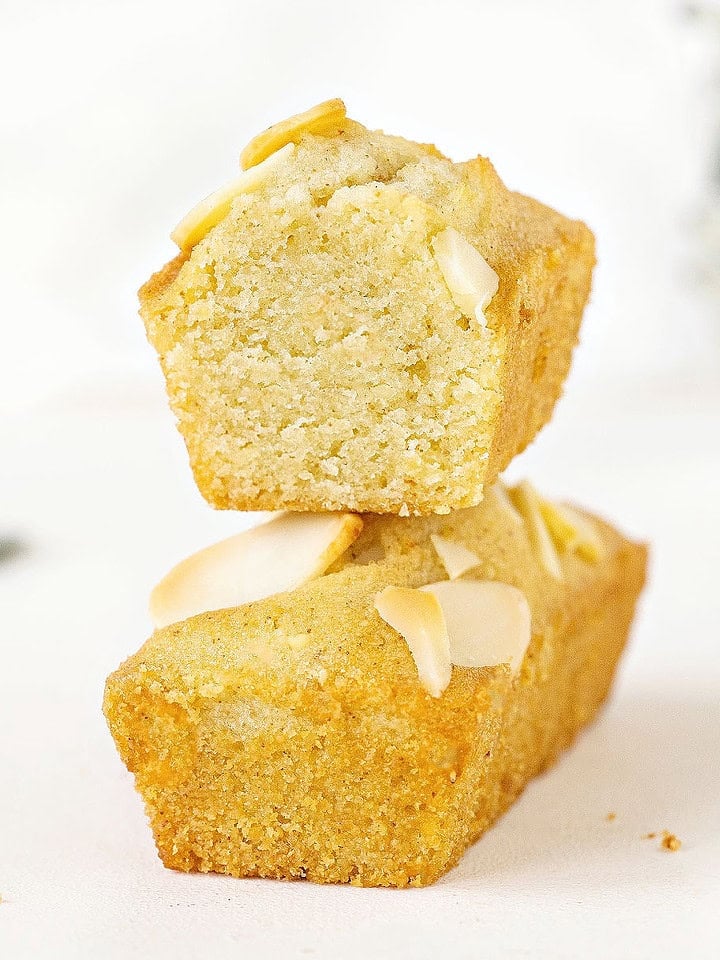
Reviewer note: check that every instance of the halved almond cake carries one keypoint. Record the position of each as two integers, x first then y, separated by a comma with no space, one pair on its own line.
357,323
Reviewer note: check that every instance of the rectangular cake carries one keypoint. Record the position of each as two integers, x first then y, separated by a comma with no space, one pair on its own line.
358,323
303,736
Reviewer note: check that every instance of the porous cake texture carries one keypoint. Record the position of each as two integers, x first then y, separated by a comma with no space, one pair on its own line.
292,738
315,356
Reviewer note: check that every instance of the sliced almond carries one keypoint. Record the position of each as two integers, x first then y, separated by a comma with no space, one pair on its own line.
326,117
279,555
488,623
209,212
456,558
418,618
363,195
527,500
499,494
471,280
571,531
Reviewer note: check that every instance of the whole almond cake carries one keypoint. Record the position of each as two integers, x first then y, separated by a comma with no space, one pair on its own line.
303,736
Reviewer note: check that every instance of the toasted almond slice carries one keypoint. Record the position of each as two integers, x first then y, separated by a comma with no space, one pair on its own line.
527,500
456,558
209,212
279,555
326,117
559,526
488,623
571,531
418,618
499,493
589,544
471,280
360,196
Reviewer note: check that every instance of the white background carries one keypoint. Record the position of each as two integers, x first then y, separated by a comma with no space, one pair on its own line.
115,118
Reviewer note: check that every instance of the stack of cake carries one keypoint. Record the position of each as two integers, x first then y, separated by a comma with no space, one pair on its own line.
362,334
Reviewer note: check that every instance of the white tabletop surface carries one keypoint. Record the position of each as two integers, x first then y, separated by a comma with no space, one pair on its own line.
104,502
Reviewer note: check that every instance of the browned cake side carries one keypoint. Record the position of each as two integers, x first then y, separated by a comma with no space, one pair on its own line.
291,737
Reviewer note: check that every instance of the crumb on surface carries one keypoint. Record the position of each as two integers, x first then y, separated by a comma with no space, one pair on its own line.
670,841
611,816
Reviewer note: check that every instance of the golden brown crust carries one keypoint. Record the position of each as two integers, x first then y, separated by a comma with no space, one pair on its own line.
549,260
159,282
292,738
